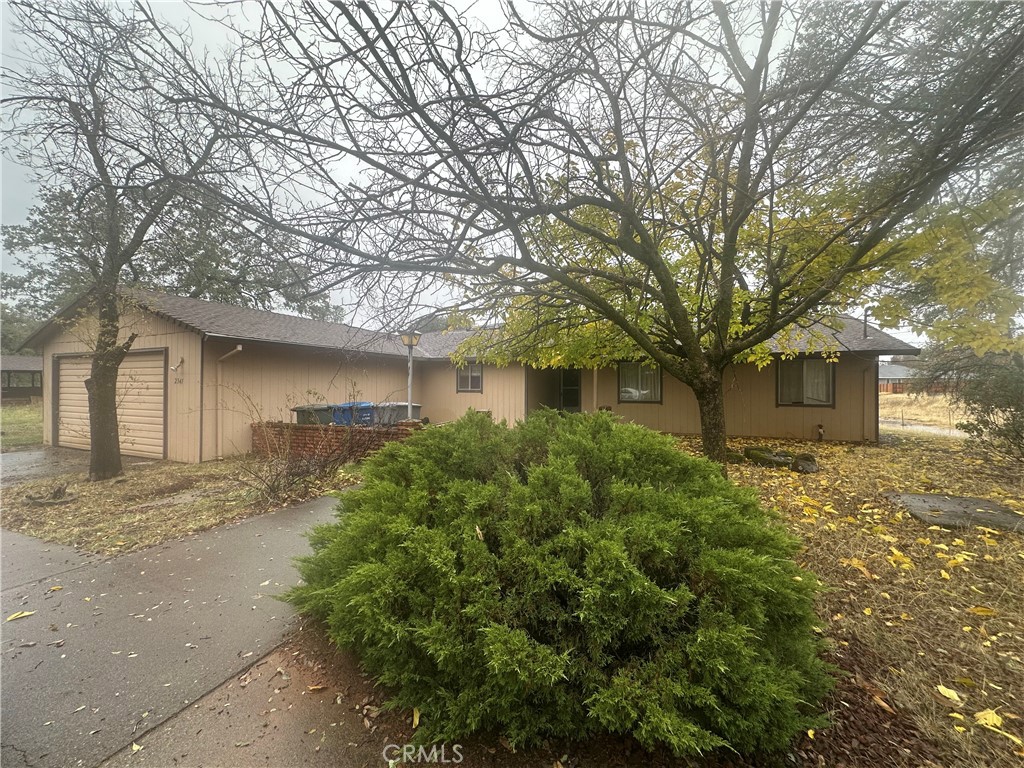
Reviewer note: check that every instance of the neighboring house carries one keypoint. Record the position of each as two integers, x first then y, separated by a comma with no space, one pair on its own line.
894,378
200,373
21,378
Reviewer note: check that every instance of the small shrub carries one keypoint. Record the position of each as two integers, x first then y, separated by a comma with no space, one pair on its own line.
569,575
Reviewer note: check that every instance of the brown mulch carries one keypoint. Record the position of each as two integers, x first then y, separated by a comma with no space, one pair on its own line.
866,731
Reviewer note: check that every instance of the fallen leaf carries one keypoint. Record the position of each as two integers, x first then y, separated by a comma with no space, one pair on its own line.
19,615
949,693
980,610
315,688
883,705
415,717
55,589
137,747
810,733
988,717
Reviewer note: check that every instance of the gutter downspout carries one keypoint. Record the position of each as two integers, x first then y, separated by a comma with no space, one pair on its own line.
220,402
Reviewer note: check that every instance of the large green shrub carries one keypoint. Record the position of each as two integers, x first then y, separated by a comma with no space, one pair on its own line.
569,575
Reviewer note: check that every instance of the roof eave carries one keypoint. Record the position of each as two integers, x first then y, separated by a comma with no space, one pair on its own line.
253,340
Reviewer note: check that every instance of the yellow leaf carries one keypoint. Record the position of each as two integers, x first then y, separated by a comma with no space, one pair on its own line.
860,565
980,610
957,715
906,617
944,574
988,717
136,747
19,615
900,560
57,588
810,733
924,541
415,717
949,693
315,688
867,611
959,728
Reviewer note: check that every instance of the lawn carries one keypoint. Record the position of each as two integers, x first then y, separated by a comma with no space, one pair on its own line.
927,624
913,409
21,427
149,504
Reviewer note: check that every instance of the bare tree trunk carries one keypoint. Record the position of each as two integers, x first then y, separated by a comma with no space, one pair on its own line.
711,404
105,454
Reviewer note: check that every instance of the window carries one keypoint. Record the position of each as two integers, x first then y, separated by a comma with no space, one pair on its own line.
639,383
470,378
806,382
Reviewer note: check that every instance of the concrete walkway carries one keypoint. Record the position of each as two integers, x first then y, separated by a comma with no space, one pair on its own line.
115,647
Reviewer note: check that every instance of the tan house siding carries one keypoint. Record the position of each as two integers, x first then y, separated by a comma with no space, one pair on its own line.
182,424
750,409
264,381
504,392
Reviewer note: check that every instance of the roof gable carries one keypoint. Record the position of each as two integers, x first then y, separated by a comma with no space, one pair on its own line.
844,333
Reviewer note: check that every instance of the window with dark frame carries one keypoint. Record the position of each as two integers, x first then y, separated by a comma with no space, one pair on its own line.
639,383
807,382
470,378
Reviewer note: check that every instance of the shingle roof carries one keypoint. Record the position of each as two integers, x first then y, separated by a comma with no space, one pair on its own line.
893,371
21,363
228,321
848,334
232,322
442,344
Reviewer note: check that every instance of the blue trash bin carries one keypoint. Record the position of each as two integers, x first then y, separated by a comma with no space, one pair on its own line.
353,413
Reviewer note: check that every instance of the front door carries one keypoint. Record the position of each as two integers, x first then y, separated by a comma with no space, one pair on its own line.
569,390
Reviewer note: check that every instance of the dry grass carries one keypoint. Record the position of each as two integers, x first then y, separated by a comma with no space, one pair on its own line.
938,607
21,426
149,504
930,410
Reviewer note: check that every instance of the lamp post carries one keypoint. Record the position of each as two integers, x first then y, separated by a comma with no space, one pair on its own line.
410,339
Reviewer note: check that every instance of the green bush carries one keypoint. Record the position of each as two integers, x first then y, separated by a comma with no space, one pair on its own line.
569,575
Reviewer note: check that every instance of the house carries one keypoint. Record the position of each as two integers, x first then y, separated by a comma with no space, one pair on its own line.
200,373
21,378
894,378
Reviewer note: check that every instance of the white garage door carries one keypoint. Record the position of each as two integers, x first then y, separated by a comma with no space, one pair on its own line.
140,404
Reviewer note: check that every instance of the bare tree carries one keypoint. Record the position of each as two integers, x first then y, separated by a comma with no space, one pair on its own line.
84,111
688,179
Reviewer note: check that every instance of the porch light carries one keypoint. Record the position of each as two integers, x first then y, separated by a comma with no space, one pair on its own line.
410,339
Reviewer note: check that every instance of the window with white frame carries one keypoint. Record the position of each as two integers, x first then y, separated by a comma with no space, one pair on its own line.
806,381
639,383
470,378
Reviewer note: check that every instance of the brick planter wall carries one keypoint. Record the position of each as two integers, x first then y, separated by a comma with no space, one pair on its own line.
344,444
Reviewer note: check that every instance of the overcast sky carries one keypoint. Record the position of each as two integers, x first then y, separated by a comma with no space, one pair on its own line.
18,188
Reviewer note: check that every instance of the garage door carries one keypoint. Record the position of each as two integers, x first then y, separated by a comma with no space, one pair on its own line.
140,404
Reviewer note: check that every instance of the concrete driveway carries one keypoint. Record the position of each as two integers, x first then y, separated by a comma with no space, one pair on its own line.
112,648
